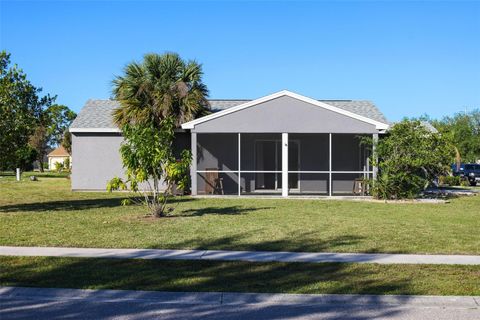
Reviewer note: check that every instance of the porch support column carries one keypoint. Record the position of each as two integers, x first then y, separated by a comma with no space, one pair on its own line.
329,164
375,168
193,165
284,164
239,161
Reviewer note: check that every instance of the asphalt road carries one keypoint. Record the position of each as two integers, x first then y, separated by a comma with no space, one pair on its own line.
18,308
113,306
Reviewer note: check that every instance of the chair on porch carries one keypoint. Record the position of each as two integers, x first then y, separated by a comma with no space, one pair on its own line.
359,187
213,183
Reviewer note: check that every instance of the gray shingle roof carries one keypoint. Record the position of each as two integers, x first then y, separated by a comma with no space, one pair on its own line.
98,113
361,107
222,104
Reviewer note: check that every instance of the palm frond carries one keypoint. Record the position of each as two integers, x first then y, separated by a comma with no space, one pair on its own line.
158,87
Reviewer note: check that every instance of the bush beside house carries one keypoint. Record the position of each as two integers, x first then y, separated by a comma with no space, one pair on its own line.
410,157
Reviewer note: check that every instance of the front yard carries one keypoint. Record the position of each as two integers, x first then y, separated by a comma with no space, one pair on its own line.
47,213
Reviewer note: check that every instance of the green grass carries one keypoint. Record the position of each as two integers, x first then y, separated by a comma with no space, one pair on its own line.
25,176
47,213
338,278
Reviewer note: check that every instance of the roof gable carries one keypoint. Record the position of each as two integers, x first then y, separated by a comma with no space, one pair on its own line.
284,114
361,107
59,152
380,125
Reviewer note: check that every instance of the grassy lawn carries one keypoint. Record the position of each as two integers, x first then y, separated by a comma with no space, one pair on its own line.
239,276
47,213
10,175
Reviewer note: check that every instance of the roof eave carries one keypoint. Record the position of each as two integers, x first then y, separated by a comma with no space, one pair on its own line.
57,155
94,130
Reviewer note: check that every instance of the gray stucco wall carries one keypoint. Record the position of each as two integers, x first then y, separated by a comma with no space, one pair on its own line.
285,114
96,158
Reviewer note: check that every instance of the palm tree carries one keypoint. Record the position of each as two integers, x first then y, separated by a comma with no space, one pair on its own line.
160,86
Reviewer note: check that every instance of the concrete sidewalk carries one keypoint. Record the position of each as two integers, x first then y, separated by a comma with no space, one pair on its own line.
252,256
50,303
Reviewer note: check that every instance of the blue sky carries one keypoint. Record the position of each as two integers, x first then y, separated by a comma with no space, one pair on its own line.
410,58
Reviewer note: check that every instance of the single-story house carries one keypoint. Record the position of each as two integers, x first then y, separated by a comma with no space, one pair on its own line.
283,143
58,155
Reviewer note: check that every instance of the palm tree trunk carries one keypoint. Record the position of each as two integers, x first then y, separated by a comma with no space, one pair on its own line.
458,159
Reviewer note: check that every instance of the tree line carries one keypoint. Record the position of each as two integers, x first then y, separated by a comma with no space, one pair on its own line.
30,123
463,129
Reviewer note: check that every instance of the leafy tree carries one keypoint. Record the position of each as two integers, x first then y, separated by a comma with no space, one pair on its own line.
160,86
156,96
410,157
59,119
53,123
20,112
67,141
149,161
39,142
24,158
464,130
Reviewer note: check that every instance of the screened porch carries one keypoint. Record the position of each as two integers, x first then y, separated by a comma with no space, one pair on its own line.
309,164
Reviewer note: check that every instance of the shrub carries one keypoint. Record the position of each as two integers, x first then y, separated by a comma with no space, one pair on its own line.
58,166
66,164
450,180
147,156
409,157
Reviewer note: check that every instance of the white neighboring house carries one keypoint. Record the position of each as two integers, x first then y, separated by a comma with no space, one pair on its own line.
58,155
